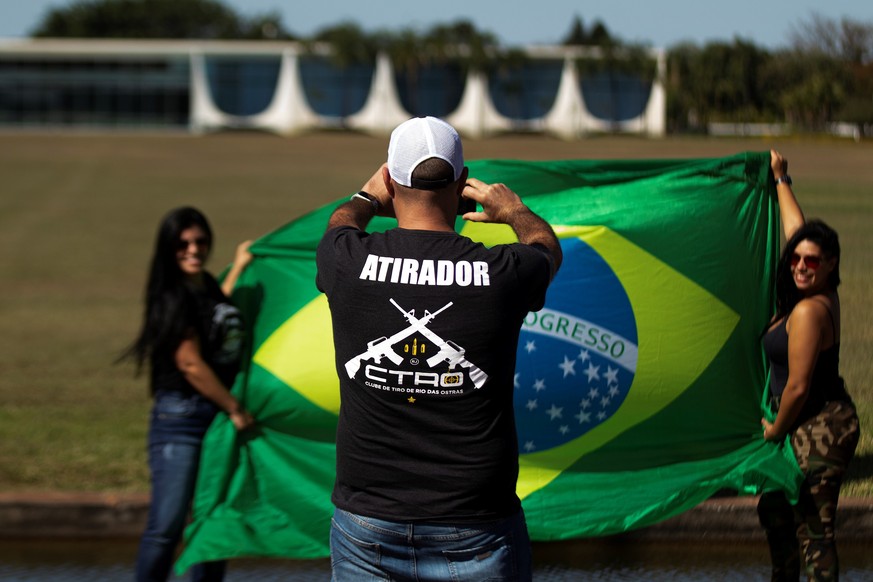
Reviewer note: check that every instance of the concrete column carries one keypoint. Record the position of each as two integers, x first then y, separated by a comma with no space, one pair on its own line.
476,115
382,111
288,111
656,108
205,115
567,115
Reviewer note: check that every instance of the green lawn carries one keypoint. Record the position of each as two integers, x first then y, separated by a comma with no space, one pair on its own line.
77,220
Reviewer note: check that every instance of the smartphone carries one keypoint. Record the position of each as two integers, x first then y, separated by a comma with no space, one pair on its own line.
466,205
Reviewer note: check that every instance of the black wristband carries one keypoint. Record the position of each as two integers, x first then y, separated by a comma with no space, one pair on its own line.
367,197
786,179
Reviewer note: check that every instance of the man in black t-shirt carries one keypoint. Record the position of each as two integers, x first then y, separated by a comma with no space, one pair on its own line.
426,326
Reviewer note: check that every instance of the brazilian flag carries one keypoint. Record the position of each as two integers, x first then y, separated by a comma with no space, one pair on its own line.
639,385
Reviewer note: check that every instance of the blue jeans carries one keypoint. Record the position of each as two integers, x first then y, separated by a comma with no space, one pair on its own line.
176,430
368,549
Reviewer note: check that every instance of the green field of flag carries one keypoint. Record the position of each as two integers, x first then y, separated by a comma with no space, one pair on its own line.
638,388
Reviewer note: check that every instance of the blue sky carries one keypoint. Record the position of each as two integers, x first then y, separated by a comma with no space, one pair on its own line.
659,23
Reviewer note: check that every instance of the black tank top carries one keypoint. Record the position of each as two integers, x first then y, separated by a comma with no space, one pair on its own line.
826,384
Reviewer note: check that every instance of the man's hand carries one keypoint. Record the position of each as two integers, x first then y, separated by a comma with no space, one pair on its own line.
499,203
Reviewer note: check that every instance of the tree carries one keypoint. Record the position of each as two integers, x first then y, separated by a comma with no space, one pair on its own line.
718,82
803,88
185,19
577,35
597,36
841,83
350,44
266,26
462,41
847,40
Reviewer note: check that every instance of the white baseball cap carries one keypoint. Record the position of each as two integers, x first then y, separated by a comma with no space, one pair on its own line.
419,139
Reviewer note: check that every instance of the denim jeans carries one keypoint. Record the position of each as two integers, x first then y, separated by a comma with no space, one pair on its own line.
176,430
367,549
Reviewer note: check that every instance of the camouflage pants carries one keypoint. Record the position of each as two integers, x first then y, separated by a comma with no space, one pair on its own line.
823,446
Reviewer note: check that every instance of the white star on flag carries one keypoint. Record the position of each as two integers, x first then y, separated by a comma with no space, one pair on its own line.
583,417
584,356
517,384
555,412
569,366
530,346
611,375
531,404
593,372
529,446
540,384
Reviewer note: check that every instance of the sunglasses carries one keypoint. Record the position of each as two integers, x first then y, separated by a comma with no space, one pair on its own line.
812,262
182,244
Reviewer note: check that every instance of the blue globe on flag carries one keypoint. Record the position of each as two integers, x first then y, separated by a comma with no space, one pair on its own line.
577,356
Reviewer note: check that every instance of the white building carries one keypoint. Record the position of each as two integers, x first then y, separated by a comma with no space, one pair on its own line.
282,87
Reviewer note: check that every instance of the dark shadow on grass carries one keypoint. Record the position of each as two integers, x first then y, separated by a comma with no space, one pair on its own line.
861,468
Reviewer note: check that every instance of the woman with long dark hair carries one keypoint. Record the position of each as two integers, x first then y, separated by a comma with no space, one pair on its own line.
192,340
813,407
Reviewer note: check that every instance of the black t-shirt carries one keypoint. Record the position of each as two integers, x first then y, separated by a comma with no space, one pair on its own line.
219,328
426,328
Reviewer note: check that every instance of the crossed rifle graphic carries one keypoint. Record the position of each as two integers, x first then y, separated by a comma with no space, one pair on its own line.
448,350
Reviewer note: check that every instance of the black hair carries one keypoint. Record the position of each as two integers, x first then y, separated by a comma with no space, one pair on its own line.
432,174
166,296
815,231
